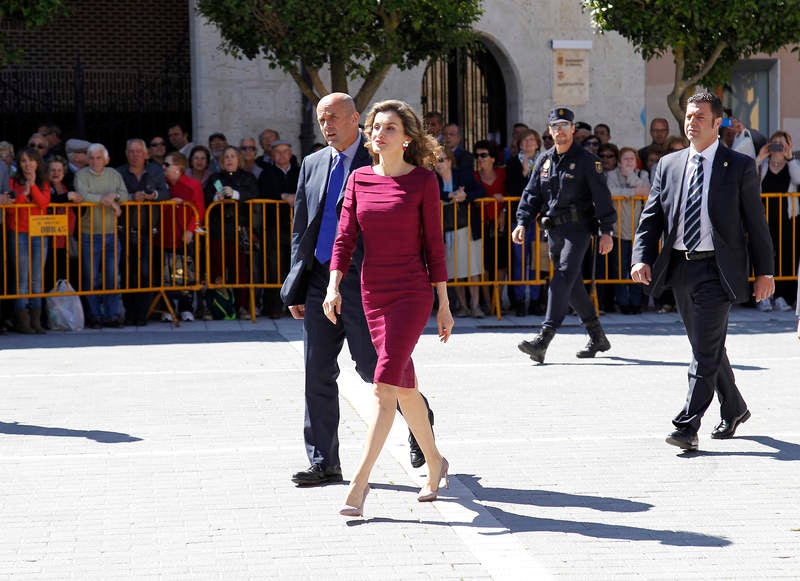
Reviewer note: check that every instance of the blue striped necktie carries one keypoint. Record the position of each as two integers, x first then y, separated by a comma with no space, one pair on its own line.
330,220
694,202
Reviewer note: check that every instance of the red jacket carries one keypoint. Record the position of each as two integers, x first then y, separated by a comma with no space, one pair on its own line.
18,217
177,218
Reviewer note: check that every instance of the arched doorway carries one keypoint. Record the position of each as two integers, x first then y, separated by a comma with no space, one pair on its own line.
468,88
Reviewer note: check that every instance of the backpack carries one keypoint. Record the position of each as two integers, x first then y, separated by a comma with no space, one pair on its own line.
220,303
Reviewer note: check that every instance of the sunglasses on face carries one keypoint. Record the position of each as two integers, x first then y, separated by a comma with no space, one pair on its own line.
607,155
157,143
483,155
34,146
248,148
591,144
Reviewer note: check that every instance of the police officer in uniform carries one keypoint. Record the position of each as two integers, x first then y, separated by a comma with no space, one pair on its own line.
567,191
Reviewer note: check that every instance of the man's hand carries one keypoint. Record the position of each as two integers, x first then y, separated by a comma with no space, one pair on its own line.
297,311
763,288
518,235
641,273
605,244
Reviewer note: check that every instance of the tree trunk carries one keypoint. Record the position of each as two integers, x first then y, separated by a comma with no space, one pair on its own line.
338,75
372,82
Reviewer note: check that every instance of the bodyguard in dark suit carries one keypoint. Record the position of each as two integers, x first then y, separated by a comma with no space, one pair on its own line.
705,206
322,175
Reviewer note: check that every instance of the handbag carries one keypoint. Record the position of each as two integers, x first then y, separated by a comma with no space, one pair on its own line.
454,214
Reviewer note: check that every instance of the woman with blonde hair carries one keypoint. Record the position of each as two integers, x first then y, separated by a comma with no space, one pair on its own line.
394,206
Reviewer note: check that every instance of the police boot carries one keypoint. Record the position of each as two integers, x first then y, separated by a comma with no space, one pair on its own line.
22,322
537,348
36,321
597,341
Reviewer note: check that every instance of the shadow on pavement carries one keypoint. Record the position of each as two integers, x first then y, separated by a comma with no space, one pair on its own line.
784,451
100,436
133,337
516,523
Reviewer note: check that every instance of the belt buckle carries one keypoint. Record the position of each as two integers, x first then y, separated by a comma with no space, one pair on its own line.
686,254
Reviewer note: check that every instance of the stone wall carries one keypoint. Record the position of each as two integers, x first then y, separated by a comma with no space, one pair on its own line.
243,97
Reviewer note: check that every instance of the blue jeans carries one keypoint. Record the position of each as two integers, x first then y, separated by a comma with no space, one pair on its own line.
628,294
30,253
517,291
100,256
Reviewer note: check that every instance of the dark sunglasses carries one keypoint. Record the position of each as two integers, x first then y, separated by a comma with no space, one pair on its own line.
34,146
157,143
483,155
591,144
607,155
248,148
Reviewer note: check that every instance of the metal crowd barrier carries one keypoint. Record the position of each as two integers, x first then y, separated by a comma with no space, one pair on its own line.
245,246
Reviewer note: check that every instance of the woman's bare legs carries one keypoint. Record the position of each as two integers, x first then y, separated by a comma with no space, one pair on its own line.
416,415
381,424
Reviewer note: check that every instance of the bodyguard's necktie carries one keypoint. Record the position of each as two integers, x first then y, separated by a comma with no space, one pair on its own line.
694,202
327,228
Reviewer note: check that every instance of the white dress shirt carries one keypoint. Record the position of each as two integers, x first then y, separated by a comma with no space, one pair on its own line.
706,243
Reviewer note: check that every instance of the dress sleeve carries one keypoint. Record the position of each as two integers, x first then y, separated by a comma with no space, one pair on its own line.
433,239
347,235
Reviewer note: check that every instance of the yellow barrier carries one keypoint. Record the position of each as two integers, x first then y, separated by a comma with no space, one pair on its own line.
245,246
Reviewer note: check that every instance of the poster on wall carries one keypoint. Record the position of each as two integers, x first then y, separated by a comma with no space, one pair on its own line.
571,72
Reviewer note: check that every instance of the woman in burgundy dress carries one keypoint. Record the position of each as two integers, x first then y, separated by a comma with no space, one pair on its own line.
394,206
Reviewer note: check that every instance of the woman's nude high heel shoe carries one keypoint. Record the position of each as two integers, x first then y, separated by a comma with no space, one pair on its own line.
348,510
428,495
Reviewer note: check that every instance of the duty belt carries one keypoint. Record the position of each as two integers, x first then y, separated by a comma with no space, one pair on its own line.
574,215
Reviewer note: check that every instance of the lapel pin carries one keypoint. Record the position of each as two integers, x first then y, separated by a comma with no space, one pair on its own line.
724,164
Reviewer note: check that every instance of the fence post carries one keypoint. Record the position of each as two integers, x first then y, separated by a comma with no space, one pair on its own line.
80,100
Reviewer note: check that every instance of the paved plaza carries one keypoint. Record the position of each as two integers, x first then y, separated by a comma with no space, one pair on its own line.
165,453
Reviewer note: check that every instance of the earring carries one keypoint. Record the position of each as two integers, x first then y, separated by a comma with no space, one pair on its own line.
405,145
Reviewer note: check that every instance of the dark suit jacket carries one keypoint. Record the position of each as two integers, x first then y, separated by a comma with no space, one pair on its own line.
308,208
736,214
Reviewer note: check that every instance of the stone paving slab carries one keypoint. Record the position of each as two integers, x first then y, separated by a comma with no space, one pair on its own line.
165,453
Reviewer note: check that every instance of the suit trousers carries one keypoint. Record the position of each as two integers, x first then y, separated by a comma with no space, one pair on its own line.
323,341
568,246
704,307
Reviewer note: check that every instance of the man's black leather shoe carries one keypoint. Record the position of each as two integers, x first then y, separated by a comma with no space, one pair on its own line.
317,474
727,428
415,452
685,438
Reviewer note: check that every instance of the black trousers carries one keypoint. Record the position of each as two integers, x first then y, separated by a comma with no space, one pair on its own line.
567,246
704,307
323,341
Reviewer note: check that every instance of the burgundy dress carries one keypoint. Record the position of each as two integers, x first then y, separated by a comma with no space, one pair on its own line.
399,220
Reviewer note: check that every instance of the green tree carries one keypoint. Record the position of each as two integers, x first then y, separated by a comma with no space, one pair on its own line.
30,15
353,38
706,38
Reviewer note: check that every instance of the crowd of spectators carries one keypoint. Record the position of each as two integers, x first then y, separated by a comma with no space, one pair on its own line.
135,246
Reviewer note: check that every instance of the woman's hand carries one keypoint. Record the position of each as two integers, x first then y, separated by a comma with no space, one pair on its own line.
74,197
459,195
332,305
763,153
444,323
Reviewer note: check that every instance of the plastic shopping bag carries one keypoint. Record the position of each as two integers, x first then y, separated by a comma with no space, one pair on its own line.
64,313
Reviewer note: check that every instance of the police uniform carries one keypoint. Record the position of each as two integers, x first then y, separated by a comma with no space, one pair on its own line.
569,194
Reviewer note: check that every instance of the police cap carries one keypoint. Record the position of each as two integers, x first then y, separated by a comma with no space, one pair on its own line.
559,115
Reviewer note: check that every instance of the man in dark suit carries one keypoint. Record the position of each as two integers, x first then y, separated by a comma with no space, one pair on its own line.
705,206
323,174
